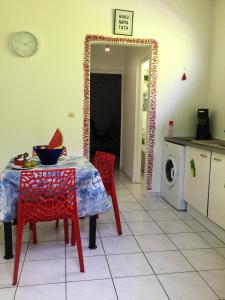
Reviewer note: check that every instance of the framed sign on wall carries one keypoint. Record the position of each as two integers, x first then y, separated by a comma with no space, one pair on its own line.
123,22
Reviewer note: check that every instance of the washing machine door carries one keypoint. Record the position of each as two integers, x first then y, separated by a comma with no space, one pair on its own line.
170,171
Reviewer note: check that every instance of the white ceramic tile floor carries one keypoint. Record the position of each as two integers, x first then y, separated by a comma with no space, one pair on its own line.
163,254
205,259
168,262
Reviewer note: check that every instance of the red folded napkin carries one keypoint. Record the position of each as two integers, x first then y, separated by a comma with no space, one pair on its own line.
57,140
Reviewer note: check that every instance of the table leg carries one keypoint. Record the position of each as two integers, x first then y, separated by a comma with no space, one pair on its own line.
8,240
92,232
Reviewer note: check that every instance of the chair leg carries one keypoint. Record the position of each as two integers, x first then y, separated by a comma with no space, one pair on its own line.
57,224
19,237
66,231
76,225
34,232
73,235
116,211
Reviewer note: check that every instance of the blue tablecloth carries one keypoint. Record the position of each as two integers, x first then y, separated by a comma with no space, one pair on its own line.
91,194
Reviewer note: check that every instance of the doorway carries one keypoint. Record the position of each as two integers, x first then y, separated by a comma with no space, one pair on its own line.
105,113
97,39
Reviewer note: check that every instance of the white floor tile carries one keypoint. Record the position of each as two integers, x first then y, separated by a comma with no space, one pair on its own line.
43,272
123,193
84,229
128,199
221,251
139,288
42,292
205,259
46,250
123,265
7,294
174,226
26,234
119,245
110,229
211,239
96,267
136,216
144,198
46,231
168,262
154,205
186,286
125,206
157,242
188,241
22,253
6,274
91,290
163,215
138,192
71,251
216,280
108,217
140,228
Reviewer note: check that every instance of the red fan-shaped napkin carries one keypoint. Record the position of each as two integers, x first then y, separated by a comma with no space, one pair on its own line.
57,140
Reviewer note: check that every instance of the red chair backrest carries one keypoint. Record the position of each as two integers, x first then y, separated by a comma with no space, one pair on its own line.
47,194
104,162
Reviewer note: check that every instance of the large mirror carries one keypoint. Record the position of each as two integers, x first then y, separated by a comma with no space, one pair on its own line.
96,40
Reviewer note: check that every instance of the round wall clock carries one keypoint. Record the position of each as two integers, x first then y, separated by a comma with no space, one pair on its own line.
25,43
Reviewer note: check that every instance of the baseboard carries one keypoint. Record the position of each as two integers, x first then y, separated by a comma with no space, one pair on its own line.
211,226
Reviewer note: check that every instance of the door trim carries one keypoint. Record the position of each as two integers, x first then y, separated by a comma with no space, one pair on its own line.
151,122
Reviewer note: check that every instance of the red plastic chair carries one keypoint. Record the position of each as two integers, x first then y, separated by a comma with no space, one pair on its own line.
64,154
104,162
47,195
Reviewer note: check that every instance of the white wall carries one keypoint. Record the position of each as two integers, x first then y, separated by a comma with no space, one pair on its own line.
217,72
37,93
110,62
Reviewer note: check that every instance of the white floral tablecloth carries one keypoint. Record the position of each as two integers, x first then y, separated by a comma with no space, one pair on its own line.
91,194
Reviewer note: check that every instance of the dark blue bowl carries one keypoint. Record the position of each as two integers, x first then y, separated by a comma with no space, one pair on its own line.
48,156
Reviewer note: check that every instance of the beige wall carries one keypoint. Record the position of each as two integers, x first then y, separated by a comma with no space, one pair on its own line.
217,72
37,93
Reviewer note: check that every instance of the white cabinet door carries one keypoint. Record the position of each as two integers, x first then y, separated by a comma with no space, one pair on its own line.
216,211
196,183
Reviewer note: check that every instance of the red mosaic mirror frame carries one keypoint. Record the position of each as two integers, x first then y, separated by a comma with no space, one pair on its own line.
151,125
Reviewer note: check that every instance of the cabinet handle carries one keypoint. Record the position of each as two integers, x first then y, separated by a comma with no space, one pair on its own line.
217,159
203,155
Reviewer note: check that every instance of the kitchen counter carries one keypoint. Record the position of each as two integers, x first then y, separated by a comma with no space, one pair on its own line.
209,145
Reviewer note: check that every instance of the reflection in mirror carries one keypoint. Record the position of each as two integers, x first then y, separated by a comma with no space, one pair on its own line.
151,114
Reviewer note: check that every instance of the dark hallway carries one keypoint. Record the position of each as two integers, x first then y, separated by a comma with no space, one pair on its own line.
105,113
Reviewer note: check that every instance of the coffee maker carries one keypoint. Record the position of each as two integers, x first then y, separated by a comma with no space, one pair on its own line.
202,132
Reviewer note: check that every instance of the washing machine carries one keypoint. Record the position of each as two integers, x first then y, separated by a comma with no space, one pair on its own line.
173,175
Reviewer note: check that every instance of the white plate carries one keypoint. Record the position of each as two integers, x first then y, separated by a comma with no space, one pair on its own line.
19,167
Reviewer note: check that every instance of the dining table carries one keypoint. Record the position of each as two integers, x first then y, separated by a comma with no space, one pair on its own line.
92,198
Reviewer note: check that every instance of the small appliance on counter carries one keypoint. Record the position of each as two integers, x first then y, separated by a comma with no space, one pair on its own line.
202,132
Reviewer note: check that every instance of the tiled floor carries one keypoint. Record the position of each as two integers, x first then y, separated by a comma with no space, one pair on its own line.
163,254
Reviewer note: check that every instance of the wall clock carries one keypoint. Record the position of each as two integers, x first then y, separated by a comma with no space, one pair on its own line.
25,43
